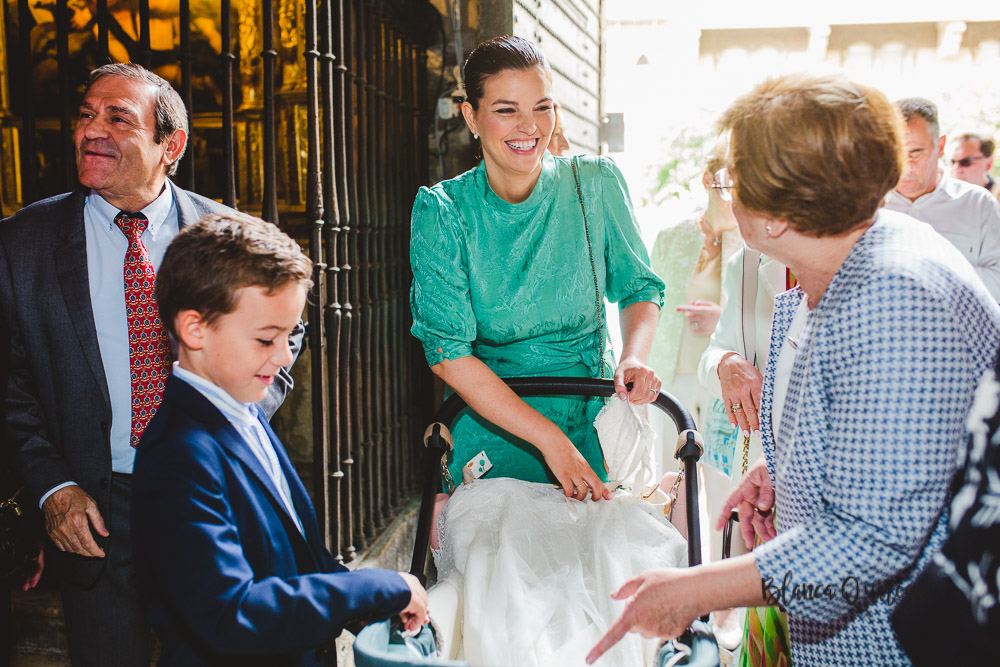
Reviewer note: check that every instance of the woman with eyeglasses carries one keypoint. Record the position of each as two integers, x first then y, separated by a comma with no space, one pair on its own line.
873,360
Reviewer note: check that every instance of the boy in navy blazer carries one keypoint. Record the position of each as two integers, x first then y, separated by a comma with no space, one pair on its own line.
228,550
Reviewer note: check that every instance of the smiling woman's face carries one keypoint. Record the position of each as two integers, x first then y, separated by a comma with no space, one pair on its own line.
514,122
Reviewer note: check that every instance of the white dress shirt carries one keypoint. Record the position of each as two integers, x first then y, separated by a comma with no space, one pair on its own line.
243,417
106,248
965,214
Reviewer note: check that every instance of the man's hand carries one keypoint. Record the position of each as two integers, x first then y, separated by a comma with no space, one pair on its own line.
660,607
416,613
31,579
754,500
69,513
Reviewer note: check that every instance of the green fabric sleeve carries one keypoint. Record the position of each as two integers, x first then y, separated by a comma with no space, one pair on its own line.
443,320
630,278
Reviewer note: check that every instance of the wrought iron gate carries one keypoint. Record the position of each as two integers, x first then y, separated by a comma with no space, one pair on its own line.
312,116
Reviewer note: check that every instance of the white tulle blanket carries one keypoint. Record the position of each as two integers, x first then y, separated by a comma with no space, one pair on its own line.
536,571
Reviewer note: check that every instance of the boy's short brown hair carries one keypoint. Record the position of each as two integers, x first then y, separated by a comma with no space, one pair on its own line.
819,152
209,261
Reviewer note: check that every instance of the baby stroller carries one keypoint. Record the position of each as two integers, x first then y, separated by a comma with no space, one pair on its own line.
381,644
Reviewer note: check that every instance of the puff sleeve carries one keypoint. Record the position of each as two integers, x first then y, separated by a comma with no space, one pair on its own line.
629,276
443,320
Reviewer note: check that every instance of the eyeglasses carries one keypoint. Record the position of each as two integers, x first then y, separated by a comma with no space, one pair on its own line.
967,161
723,182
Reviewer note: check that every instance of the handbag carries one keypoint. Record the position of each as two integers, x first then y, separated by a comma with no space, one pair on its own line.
16,544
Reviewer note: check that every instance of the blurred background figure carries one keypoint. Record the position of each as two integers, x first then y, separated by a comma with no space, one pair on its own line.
972,159
558,144
691,257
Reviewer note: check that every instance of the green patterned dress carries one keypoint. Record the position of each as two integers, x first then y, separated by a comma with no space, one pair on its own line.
513,285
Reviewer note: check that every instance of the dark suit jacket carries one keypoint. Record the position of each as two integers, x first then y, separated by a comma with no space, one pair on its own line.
58,411
226,576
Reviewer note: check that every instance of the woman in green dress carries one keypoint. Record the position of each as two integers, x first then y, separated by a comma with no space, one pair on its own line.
504,284
510,277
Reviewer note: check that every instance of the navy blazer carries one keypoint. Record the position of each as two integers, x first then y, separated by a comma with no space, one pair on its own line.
58,412
226,576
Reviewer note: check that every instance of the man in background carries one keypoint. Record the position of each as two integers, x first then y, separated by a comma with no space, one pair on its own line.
965,214
972,159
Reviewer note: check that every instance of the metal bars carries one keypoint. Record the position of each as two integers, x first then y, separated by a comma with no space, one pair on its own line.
349,98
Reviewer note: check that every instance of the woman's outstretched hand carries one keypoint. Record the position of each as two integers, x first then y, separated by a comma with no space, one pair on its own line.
573,472
659,607
645,383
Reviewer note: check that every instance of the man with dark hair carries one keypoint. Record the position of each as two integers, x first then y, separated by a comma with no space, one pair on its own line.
963,213
972,159
89,355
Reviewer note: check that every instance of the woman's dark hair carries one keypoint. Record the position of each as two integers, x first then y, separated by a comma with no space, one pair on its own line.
498,55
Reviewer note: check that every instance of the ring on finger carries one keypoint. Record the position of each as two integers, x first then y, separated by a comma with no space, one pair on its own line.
736,406
763,513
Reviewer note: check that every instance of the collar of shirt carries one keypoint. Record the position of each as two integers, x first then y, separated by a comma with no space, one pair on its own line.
238,413
156,212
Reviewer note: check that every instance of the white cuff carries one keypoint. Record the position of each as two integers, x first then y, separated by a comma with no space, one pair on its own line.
53,490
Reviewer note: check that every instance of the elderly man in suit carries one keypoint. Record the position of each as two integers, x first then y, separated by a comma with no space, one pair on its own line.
89,356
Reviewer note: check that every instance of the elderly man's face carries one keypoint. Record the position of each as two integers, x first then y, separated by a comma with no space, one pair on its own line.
971,152
923,151
116,150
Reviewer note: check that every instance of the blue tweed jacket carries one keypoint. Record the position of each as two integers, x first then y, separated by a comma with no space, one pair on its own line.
884,375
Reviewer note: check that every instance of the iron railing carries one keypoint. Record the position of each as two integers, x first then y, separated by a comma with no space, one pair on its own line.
351,91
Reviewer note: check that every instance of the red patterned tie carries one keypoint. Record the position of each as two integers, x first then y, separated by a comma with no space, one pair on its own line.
148,344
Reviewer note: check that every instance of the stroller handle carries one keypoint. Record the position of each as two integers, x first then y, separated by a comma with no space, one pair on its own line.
436,447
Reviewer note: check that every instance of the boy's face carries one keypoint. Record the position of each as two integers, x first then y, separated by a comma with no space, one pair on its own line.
243,350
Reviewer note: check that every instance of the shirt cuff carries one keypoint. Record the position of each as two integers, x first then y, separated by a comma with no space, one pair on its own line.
53,490
710,361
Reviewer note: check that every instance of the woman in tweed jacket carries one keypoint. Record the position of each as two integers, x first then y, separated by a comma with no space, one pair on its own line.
873,363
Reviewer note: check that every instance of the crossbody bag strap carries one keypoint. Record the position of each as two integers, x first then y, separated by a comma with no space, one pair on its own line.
751,277
593,268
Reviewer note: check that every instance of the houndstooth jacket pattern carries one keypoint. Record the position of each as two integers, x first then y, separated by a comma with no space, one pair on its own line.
883,377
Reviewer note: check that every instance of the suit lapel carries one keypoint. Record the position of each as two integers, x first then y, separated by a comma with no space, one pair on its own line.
300,498
229,438
70,260
186,214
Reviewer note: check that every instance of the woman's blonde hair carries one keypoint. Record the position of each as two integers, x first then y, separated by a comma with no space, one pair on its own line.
818,152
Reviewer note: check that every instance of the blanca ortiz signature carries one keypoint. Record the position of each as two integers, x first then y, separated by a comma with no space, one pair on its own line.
850,589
